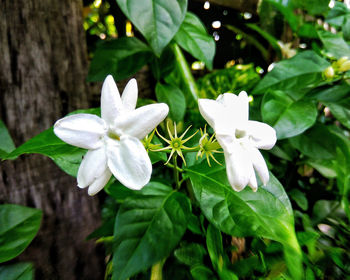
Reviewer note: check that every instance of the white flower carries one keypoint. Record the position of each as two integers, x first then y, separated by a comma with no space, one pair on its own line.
113,141
240,138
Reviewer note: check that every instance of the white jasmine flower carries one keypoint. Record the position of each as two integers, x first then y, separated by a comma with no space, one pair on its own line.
113,141
240,138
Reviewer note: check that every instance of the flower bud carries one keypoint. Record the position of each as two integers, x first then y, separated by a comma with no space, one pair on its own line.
342,60
345,66
329,72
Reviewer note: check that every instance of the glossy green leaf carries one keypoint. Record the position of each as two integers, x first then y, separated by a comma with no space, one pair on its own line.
18,227
174,97
121,58
301,71
157,20
147,229
287,117
47,143
17,271
6,143
332,93
193,37
316,143
334,44
324,166
266,213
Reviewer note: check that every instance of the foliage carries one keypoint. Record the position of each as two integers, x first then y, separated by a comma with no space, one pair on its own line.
187,220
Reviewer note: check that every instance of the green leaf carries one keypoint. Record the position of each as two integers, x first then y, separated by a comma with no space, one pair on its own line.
267,36
18,227
265,213
215,248
330,93
47,143
121,58
325,167
157,20
317,142
334,44
17,271
193,37
6,143
287,11
288,118
300,198
303,70
190,254
337,15
147,229
201,272
313,7
340,110
174,97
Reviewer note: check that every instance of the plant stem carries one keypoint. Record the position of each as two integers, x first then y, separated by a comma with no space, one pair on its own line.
156,272
176,173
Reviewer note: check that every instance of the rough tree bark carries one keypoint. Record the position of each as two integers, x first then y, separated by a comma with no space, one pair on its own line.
42,78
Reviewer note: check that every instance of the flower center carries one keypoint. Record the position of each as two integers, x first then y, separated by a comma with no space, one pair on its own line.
112,135
176,143
240,133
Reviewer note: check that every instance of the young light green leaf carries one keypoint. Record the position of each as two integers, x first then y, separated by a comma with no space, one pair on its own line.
338,14
147,229
265,213
287,117
121,58
17,271
18,227
334,44
174,97
193,37
157,20
301,71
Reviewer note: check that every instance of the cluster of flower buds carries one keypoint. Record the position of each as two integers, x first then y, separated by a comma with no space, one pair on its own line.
337,68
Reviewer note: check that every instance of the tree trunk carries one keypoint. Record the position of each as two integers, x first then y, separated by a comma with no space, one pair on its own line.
42,78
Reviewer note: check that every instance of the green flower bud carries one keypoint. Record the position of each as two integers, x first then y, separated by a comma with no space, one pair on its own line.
329,72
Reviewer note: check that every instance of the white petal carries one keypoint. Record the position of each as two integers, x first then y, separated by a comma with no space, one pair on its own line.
259,164
100,182
227,99
111,103
242,106
129,96
239,168
141,121
253,184
210,110
81,130
226,142
261,134
92,167
129,162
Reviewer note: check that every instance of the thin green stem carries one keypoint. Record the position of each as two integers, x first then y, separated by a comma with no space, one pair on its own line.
176,173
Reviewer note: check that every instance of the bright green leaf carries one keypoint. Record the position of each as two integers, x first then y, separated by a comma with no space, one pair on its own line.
201,272
340,110
174,97
300,198
147,229
288,118
17,271
265,213
193,37
18,227
121,58
301,71
157,20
